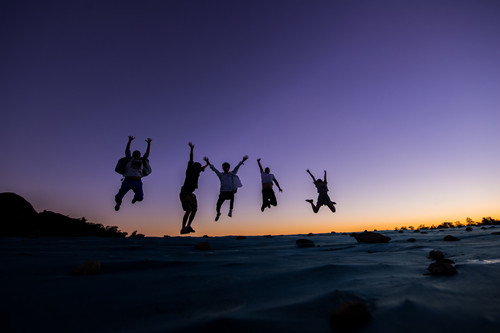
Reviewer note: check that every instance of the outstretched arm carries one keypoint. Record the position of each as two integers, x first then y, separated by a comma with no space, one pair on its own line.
207,161
217,172
127,148
325,176
309,172
260,166
277,184
235,170
191,151
130,139
148,140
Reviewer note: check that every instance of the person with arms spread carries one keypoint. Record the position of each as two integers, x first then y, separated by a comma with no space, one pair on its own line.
133,168
323,198
229,183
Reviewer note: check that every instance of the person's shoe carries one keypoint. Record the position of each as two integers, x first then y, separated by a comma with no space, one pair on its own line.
262,208
310,200
134,200
217,217
184,231
189,229
334,203
230,213
117,207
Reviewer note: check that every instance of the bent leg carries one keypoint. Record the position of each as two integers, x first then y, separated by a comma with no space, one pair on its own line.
332,207
138,192
231,202
126,186
191,217
272,198
314,208
219,202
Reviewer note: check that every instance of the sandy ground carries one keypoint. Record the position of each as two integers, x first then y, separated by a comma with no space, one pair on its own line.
263,284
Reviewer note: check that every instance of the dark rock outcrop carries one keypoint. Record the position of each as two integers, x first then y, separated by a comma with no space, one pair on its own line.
371,237
468,229
450,238
411,240
19,219
240,237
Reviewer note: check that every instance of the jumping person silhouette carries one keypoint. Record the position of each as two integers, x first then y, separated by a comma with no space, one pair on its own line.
268,196
323,198
187,196
135,167
229,184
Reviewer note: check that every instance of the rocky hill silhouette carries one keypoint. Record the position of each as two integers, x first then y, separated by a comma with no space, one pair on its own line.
20,219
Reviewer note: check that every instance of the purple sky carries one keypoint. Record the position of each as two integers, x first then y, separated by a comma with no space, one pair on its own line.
398,100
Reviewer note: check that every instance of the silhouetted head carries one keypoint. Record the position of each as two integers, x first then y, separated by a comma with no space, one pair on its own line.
225,167
267,170
319,180
197,166
136,154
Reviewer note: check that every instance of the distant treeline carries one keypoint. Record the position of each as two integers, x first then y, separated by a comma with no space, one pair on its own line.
19,219
457,224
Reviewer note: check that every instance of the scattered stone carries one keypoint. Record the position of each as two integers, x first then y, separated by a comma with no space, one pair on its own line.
310,234
333,232
350,316
166,236
496,233
442,268
371,237
90,267
450,238
202,246
400,231
416,230
205,236
411,240
483,228
468,229
240,237
304,243
436,255
268,236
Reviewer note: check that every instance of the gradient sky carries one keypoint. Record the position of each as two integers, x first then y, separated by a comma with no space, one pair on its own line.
398,100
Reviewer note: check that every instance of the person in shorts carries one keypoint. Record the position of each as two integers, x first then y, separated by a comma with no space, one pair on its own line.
229,183
187,196
268,196
323,198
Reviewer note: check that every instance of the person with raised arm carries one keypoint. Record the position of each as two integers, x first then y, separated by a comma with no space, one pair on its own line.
323,198
229,183
268,196
133,167
187,196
